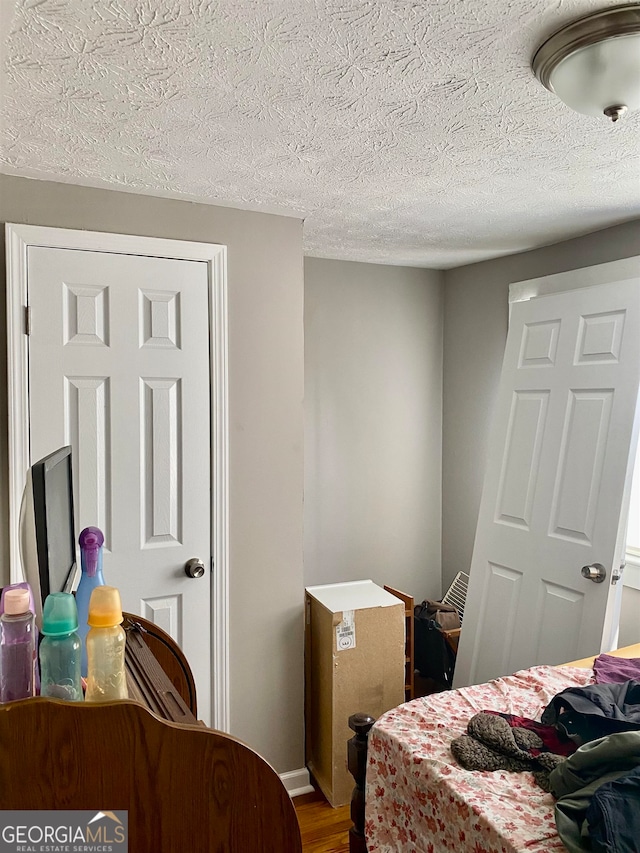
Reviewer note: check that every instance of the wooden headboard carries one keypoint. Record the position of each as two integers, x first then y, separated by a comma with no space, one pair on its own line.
186,788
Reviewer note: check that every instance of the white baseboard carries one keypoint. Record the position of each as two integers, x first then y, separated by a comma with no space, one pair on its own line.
297,782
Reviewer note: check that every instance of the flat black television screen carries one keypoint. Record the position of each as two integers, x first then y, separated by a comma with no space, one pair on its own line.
52,483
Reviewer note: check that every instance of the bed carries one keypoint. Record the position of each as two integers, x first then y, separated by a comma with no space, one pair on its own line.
419,800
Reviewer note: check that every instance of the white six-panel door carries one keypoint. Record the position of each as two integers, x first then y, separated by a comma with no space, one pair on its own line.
557,478
119,369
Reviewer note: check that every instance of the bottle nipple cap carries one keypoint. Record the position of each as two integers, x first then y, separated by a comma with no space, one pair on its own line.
105,607
16,601
59,615
91,537
91,541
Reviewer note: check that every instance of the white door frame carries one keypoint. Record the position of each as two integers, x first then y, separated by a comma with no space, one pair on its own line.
606,273
18,239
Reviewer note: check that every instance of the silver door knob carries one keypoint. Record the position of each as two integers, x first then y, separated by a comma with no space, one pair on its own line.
595,572
194,568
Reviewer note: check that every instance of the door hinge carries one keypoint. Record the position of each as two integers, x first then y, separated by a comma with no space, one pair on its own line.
27,320
616,574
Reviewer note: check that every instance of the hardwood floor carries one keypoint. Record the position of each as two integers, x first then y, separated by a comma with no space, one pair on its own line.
323,828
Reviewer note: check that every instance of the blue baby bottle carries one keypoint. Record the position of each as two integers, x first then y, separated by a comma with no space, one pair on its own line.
91,541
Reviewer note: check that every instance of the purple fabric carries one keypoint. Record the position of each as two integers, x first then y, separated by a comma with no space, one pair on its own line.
612,670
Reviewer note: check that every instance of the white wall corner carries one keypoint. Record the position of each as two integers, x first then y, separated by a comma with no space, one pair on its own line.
297,782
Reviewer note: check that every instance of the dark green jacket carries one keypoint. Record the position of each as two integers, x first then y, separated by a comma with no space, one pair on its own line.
575,780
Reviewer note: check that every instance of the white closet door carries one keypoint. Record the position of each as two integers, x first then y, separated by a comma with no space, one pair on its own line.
119,368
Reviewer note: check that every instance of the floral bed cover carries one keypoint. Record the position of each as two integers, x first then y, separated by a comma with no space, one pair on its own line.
419,800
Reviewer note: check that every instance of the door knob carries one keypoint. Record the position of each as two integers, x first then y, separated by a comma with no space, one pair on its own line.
595,572
194,568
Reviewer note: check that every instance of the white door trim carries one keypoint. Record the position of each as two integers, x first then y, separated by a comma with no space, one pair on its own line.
606,273
18,239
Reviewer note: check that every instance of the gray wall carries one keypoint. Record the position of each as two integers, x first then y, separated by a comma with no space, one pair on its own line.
266,385
374,368
373,425
475,330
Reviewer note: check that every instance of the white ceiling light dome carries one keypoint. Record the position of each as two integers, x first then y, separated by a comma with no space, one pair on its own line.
593,64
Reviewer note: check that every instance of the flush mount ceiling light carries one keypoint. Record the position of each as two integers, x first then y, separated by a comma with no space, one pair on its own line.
593,64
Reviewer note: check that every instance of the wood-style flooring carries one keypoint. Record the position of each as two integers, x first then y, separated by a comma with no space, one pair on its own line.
323,828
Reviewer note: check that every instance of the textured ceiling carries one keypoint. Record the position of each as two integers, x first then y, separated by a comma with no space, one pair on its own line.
402,132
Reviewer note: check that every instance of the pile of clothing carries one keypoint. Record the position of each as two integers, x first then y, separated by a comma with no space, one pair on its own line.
585,750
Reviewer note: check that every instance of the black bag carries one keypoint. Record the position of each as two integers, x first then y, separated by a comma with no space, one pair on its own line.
434,657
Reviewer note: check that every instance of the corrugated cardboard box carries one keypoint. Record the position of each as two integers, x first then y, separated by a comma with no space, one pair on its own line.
354,661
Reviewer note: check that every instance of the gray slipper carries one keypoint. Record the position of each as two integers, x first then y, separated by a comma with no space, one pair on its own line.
473,755
497,734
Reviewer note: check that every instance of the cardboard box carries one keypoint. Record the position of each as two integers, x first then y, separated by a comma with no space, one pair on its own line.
354,661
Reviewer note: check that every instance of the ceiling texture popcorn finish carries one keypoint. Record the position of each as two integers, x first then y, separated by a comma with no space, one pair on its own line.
401,132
